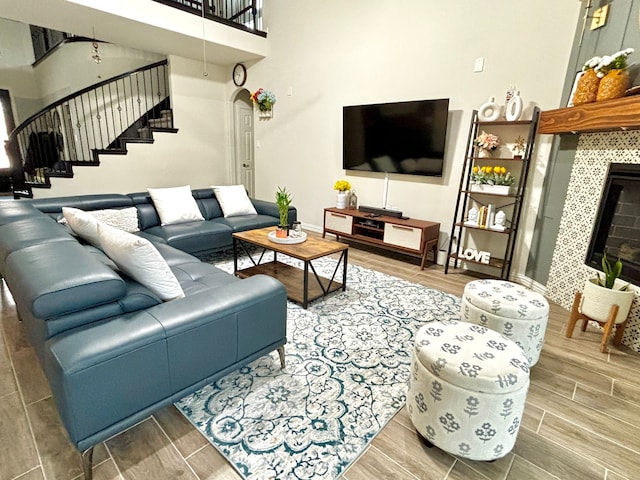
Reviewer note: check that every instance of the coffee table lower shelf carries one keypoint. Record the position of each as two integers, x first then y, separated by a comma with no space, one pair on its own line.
293,279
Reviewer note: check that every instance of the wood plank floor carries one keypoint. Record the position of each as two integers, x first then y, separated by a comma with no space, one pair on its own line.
582,419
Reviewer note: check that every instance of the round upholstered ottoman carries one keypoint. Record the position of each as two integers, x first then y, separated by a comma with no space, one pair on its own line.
510,309
467,389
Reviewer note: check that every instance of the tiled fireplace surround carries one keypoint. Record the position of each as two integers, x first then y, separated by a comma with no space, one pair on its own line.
568,272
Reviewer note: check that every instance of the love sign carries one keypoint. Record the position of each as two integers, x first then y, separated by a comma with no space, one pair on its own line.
475,255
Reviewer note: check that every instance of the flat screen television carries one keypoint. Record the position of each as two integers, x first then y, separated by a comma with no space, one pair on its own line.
401,137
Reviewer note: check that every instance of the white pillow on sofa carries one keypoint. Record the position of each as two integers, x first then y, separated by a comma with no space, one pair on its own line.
234,201
175,205
138,258
83,224
122,218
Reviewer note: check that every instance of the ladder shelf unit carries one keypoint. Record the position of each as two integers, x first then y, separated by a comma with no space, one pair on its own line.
500,240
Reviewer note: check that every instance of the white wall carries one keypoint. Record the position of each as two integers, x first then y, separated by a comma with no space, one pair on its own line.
70,68
196,155
335,53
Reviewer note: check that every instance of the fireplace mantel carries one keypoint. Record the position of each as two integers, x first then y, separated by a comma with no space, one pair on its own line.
605,116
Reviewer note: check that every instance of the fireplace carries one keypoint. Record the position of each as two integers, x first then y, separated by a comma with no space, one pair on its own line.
617,226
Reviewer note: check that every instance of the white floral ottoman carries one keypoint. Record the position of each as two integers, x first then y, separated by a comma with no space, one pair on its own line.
510,309
467,389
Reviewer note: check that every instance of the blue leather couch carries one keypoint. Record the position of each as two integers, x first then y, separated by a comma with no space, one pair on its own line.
112,351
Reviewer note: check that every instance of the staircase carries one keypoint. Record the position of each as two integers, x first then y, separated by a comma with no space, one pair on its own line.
100,119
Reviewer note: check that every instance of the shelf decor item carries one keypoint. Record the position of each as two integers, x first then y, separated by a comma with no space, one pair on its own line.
587,86
614,76
487,179
265,100
518,147
514,107
489,111
343,187
283,200
486,143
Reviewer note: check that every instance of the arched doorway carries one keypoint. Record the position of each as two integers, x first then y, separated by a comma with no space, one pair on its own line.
244,165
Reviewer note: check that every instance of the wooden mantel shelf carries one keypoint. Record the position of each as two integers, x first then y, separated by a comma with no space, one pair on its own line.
605,116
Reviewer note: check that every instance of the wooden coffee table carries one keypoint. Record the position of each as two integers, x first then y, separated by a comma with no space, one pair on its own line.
295,280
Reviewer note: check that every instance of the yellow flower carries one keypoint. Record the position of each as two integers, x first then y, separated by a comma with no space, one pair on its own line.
475,169
342,186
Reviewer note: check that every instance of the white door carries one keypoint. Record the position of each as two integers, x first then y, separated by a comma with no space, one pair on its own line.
244,156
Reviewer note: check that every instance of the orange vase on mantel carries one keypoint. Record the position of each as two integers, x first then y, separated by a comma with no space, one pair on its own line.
613,84
587,88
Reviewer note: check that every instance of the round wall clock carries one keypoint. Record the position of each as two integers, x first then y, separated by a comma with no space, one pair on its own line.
239,74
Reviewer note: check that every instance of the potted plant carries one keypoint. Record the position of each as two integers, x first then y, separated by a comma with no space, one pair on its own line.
342,187
488,179
283,200
604,300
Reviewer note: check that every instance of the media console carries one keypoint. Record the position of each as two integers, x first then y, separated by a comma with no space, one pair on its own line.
410,236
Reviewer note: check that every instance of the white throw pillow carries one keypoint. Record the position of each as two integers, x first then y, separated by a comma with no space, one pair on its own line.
83,224
122,218
234,201
175,205
138,258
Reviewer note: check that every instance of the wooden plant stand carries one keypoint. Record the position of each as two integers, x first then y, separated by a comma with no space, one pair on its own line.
607,326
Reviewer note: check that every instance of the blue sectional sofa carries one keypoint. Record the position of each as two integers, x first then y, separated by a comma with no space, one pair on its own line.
112,351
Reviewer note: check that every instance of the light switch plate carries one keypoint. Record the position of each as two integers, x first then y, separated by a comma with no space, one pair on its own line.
478,65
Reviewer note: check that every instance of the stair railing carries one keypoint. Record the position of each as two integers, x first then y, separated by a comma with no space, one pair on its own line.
242,14
74,129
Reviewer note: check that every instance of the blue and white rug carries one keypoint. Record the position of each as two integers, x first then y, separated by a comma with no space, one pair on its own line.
347,366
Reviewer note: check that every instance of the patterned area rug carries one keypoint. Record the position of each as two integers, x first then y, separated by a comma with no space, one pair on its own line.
347,366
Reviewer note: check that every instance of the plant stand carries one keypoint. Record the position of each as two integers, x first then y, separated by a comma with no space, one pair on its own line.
607,326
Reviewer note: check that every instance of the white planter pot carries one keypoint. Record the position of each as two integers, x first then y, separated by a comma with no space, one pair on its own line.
597,300
493,189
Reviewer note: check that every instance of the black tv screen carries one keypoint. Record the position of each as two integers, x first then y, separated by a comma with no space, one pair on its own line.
401,137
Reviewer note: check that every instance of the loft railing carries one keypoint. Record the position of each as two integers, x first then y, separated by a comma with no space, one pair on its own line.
243,14
73,130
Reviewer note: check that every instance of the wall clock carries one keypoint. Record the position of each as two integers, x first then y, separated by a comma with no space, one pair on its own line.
239,74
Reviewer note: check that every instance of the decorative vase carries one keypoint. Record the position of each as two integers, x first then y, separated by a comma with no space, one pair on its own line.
265,113
484,153
513,109
489,111
587,88
613,84
341,200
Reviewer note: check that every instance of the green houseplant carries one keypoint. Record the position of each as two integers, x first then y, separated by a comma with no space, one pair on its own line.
283,200
605,300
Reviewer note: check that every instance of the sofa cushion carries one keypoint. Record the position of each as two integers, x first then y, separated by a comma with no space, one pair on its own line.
29,231
234,201
175,205
12,210
59,278
197,277
250,222
195,236
138,258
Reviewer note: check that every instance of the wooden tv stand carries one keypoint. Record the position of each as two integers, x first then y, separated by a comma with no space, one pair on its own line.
410,236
